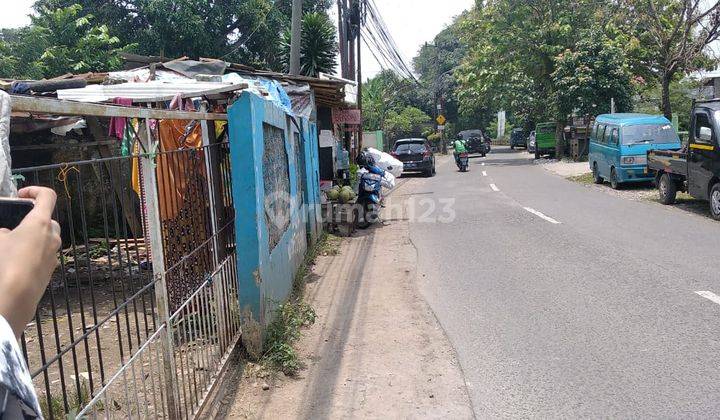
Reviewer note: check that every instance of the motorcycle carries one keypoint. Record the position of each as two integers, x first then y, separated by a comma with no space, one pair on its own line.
370,200
463,162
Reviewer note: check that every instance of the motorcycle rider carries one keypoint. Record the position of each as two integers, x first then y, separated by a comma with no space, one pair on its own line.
459,147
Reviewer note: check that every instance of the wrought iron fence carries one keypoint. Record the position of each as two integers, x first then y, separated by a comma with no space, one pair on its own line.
114,336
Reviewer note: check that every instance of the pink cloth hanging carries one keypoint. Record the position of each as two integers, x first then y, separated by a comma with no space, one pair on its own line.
117,124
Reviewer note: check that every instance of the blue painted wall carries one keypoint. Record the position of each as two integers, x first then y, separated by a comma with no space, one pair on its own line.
266,275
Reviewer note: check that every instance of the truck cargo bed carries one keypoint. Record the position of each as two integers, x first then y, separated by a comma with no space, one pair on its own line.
668,161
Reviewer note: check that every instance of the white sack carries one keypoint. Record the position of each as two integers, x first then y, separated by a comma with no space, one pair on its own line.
386,162
7,186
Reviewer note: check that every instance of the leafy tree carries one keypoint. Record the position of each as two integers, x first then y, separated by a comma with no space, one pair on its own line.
590,75
410,122
671,37
435,65
512,59
649,100
59,41
245,31
319,47
309,6
384,93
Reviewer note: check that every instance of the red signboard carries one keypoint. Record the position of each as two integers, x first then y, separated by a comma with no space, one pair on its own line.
347,116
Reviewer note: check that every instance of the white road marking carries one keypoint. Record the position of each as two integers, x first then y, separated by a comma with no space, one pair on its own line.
542,216
482,164
710,296
494,187
484,173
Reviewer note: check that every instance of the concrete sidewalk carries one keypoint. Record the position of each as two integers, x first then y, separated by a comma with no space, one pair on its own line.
376,350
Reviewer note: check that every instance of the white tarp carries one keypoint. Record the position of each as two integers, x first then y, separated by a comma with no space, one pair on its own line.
7,186
138,91
386,162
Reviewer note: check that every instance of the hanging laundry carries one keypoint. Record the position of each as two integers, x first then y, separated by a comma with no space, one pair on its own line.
117,124
177,172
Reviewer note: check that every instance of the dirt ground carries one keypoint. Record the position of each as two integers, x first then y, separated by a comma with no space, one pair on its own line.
376,350
645,191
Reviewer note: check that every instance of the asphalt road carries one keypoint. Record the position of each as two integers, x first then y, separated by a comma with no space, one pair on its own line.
564,301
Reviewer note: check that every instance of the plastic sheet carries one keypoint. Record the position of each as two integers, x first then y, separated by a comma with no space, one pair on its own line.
386,162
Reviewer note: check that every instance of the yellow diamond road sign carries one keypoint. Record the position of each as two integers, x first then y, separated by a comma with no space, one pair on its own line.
441,120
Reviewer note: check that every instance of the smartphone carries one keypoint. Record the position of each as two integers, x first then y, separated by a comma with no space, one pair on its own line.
13,211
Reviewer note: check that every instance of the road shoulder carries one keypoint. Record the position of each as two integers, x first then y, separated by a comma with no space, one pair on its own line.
376,349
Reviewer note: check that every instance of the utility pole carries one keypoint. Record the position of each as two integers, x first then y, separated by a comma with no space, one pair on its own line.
342,40
295,38
359,69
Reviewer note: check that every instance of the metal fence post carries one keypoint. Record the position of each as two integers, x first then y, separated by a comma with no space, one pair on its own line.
214,186
158,265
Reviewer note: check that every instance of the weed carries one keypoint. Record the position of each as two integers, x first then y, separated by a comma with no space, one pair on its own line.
100,250
76,402
582,179
283,332
290,317
330,245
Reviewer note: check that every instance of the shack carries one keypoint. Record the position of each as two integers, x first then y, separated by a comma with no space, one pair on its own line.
188,192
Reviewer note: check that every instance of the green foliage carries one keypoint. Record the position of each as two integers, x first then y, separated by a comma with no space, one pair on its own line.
319,48
668,38
283,333
289,318
588,76
512,59
59,41
244,31
681,94
438,65
493,130
409,122
385,98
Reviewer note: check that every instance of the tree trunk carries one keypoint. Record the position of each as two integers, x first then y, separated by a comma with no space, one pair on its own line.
666,107
559,140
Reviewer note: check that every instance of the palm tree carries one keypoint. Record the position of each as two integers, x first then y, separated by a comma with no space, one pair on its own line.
318,48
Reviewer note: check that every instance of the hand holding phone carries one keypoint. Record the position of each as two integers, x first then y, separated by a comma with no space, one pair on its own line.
28,253
13,211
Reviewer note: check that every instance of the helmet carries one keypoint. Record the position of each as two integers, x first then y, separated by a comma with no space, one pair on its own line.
365,160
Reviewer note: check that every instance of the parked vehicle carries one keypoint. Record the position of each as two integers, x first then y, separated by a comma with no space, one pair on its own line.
696,168
619,144
476,142
463,162
545,139
369,200
518,139
478,145
416,155
531,142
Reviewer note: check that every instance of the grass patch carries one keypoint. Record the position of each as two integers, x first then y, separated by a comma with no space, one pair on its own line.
585,179
76,402
292,316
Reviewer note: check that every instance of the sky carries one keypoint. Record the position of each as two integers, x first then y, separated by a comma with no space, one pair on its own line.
413,23
14,14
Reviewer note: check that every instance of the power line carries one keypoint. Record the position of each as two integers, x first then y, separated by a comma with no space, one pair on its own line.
381,43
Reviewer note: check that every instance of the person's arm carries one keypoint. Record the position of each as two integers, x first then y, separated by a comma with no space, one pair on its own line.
28,257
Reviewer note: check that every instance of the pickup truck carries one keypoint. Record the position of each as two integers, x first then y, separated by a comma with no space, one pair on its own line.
695,169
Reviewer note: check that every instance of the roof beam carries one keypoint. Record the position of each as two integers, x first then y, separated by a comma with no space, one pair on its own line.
57,107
